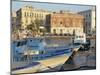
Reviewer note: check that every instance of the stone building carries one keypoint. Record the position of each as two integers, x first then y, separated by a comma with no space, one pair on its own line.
28,14
64,23
13,19
90,20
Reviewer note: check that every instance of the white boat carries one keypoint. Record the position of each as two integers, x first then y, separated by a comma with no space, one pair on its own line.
80,39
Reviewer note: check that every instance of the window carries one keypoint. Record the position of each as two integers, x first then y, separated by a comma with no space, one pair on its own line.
86,16
26,21
61,31
89,15
61,22
25,14
32,14
89,24
54,31
31,21
42,15
80,36
37,15
18,44
30,40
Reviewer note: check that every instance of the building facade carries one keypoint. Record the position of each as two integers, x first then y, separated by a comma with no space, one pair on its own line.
64,23
13,19
28,14
90,21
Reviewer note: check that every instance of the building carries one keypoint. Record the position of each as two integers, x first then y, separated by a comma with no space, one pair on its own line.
28,14
13,19
64,23
90,21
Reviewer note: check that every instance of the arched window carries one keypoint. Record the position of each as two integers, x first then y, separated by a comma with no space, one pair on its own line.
61,31
54,31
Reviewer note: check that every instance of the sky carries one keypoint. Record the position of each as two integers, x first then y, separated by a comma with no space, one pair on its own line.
50,6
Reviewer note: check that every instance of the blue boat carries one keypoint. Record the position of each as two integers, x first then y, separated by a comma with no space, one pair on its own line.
39,55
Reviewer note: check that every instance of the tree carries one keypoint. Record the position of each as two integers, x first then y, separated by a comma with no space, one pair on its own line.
38,24
31,27
37,27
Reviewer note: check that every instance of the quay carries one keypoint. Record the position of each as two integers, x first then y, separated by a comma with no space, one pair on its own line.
81,60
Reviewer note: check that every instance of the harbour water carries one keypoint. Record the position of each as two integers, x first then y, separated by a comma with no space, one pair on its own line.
59,40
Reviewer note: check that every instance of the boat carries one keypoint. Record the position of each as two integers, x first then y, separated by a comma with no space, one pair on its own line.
80,39
39,56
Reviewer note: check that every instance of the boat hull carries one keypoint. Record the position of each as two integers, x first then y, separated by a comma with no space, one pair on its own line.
76,48
45,65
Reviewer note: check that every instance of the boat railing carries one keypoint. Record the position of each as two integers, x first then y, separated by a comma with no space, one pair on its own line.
57,48
44,55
